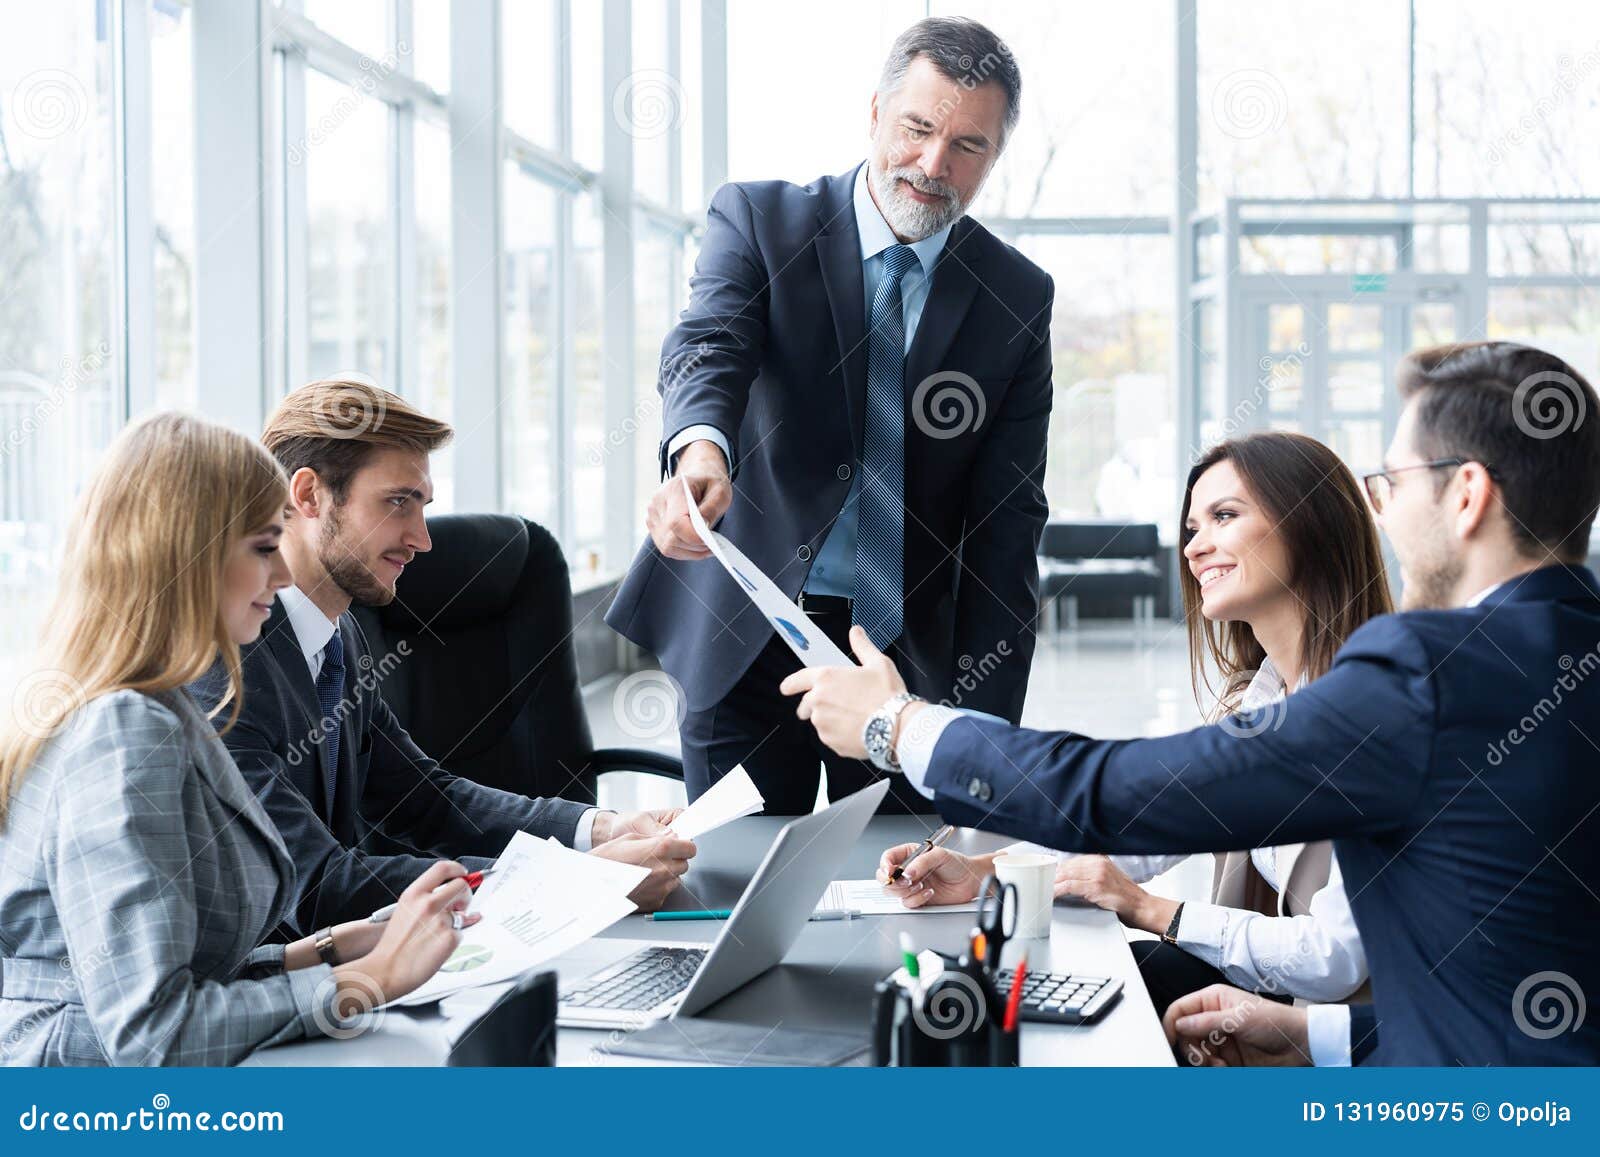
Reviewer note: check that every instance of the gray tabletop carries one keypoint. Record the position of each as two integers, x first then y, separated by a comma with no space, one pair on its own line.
825,981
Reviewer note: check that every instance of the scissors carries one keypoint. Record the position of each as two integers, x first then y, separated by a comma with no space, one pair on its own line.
997,920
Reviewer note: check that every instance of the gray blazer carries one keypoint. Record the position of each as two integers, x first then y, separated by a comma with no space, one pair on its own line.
137,876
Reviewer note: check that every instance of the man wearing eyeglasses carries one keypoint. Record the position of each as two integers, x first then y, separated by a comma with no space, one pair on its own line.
1451,751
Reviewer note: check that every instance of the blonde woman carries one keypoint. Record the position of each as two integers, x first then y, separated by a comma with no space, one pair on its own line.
138,873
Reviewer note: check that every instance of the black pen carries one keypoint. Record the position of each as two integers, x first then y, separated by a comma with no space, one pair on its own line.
928,845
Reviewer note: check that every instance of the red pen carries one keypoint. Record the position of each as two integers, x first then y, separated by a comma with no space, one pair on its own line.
473,879
1014,1001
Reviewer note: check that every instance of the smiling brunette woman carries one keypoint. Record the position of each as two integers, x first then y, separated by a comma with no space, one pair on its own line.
1282,565
138,873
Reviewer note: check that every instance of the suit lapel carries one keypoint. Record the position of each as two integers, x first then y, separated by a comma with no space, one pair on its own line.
839,254
955,283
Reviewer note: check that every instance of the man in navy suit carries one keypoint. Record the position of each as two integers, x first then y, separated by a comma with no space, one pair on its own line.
1450,752
860,390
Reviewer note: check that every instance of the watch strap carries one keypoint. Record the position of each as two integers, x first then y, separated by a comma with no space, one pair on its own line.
1170,936
327,951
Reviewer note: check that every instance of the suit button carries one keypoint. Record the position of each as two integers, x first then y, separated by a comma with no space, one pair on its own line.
985,792
804,553
974,787
843,472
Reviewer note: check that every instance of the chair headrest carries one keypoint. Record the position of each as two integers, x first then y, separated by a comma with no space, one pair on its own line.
481,565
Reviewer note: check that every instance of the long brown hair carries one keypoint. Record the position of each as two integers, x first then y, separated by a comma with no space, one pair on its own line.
1336,566
139,602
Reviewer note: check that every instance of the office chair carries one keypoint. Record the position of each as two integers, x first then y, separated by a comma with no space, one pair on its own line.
487,683
518,1030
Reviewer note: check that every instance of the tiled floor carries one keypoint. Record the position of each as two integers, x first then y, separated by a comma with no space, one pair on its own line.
1102,679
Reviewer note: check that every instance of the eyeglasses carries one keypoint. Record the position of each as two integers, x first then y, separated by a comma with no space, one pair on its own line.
1380,484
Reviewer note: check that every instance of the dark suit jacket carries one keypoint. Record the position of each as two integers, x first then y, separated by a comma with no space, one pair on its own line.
772,351
383,783
1452,757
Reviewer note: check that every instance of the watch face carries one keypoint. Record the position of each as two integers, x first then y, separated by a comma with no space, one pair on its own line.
876,738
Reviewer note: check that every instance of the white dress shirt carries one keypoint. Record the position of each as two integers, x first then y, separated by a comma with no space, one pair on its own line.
313,629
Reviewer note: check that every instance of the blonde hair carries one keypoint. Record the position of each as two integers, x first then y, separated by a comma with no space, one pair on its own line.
138,604
333,427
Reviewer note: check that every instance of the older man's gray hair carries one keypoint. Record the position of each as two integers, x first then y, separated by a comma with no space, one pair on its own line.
963,51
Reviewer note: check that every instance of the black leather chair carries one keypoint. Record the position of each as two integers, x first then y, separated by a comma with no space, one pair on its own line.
1099,560
518,1030
489,684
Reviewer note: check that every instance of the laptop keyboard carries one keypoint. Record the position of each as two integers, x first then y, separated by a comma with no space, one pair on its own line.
640,981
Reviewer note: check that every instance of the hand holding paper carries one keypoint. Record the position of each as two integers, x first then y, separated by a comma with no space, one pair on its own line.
794,627
731,797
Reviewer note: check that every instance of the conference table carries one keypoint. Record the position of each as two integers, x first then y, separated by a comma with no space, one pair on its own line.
825,981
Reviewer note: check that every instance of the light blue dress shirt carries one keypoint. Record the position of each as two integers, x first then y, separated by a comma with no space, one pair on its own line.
834,571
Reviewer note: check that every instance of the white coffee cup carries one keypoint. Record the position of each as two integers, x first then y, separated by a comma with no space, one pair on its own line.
1034,875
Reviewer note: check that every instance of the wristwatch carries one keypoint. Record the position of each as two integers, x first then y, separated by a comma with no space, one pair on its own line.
1170,936
878,734
325,947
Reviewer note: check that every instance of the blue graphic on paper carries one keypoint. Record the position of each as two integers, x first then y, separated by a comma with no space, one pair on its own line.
793,631
740,576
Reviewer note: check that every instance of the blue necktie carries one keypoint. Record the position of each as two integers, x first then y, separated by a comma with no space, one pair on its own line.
881,518
330,690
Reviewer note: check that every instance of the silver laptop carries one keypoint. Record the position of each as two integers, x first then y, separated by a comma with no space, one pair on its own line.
663,979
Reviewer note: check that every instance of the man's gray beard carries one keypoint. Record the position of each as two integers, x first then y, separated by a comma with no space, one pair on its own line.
909,218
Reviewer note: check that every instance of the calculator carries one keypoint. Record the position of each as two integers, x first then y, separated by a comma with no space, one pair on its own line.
1061,997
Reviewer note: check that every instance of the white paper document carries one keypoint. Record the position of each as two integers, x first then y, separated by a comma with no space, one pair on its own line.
794,627
546,899
869,898
732,797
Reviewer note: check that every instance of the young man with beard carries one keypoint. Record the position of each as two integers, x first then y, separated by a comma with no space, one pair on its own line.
316,742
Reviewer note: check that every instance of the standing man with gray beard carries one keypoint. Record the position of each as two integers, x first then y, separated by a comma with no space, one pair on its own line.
860,391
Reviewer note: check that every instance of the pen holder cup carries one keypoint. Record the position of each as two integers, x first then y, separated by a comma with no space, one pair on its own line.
956,1023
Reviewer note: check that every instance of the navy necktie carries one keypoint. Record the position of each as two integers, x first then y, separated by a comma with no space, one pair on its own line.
330,691
881,522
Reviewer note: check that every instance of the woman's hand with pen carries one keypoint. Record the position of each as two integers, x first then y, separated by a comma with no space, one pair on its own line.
936,876
417,939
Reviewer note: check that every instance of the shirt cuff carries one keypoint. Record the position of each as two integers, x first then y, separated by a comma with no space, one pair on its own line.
700,433
1328,1030
918,738
1202,931
583,837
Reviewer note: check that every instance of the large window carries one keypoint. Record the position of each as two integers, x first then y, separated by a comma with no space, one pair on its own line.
349,235
532,342
61,383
